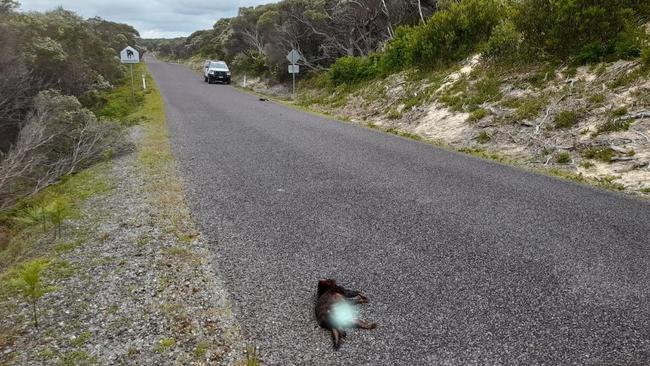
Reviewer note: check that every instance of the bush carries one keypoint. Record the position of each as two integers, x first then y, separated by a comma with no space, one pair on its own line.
255,64
483,137
449,35
604,154
614,125
504,41
29,284
59,138
348,70
587,30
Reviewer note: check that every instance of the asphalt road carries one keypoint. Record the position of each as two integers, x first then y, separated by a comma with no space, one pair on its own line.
465,261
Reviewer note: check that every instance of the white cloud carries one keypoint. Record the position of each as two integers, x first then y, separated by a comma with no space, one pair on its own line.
152,18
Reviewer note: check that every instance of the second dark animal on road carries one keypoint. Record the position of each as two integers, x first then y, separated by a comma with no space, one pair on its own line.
336,309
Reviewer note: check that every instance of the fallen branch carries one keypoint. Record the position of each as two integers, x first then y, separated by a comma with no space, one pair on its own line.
548,111
639,133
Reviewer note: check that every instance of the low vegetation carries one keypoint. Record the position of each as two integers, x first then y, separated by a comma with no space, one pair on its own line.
603,154
578,32
567,119
28,283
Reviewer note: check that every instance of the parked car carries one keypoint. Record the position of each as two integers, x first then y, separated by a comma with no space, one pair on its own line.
217,71
206,65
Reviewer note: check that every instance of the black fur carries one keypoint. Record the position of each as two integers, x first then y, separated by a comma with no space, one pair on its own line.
328,295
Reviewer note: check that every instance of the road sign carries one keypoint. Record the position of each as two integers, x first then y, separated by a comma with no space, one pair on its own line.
294,57
130,55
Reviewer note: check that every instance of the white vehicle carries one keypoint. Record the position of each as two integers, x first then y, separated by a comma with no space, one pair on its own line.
216,71
206,65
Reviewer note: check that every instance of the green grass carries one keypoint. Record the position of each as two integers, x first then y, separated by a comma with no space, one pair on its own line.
530,107
619,112
78,358
483,154
597,98
405,134
120,103
464,95
67,246
393,115
542,75
165,344
608,183
604,154
477,115
155,158
30,221
252,356
201,349
483,137
614,125
563,158
82,339
567,119
586,164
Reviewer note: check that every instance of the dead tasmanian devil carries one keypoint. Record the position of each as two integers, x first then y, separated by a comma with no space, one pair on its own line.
336,309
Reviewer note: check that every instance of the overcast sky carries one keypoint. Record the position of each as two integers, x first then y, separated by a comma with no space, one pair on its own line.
152,18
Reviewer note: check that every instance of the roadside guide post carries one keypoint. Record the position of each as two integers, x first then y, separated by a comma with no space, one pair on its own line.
294,57
131,56
144,82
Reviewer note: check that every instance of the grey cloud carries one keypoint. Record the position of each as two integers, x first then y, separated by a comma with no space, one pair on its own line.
152,18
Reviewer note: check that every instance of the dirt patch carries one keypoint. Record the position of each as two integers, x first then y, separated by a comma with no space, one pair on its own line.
442,124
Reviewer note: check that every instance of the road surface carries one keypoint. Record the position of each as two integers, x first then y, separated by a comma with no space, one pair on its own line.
465,261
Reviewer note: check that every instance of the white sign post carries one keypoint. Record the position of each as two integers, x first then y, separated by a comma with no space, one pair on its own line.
294,57
130,56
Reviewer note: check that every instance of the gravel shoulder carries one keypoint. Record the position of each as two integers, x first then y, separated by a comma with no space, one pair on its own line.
133,281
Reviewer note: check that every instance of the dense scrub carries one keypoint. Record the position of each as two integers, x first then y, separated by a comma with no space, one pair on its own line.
575,31
54,66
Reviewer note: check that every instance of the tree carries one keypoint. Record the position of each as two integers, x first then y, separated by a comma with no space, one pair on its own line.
29,284
7,6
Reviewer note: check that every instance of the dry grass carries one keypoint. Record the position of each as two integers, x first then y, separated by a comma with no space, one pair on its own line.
158,163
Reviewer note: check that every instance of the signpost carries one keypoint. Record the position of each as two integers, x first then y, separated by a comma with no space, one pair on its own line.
130,56
294,57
